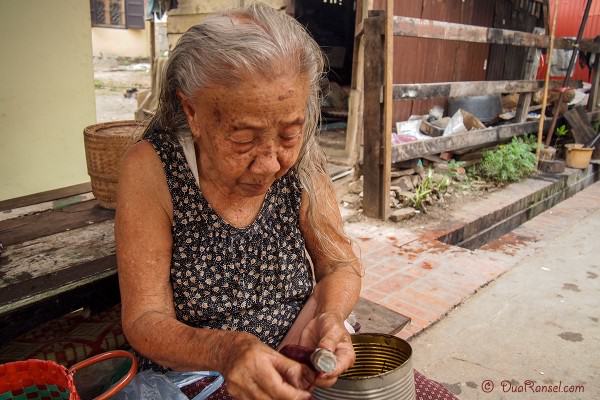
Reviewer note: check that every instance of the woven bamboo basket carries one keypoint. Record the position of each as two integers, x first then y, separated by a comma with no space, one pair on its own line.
105,146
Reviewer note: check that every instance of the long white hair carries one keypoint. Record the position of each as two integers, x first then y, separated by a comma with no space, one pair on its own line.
258,40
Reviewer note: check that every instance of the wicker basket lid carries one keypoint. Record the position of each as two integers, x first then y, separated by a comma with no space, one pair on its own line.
126,128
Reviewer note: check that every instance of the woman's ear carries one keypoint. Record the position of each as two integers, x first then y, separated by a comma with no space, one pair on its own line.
189,110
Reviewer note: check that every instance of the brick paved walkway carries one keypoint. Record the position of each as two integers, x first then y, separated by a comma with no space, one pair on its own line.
415,275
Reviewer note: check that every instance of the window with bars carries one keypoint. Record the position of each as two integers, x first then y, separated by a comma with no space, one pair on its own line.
117,13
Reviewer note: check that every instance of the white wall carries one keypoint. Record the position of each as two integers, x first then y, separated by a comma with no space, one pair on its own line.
46,94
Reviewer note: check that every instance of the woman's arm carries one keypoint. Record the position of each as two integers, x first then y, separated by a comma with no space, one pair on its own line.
143,236
338,273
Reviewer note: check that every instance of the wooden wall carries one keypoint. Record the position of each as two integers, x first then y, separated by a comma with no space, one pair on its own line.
520,16
428,60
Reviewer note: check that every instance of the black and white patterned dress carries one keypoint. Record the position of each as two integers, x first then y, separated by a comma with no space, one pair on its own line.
254,279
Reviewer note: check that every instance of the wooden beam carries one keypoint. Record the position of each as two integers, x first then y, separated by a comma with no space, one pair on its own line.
355,101
29,227
412,91
431,29
424,28
418,149
373,117
29,303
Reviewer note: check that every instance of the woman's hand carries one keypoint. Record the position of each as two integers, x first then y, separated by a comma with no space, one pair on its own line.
254,371
327,331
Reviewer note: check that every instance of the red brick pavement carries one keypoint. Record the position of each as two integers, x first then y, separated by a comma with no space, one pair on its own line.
422,278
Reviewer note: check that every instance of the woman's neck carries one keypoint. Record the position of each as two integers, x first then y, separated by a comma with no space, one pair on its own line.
239,211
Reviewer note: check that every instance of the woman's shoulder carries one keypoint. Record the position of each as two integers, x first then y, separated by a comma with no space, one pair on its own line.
141,174
140,156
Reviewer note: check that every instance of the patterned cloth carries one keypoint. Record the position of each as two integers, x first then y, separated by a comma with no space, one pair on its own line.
69,339
426,389
254,279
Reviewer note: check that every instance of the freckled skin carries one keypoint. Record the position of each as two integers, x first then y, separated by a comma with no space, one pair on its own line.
246,137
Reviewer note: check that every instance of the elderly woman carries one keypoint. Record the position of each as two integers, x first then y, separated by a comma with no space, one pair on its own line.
229,238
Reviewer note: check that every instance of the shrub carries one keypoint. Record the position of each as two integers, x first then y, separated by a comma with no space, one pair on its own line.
509,162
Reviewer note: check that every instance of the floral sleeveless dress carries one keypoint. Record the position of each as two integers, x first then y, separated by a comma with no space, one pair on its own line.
254,279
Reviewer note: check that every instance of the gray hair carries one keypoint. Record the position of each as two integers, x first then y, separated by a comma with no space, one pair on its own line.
224,48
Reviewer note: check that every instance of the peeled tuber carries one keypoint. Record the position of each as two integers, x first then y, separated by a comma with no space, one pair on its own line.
320,360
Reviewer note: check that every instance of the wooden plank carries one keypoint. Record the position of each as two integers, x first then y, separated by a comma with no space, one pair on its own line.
580,125
413,150
31,227
416,27
431,29
29,303
56,252
409,151
45,196
27,291
373,317
45,206
412,91
497,57
373,117
459,89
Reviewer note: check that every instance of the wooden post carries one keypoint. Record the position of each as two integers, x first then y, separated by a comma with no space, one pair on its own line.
593,100
355,100
530,73
152,45
373,205
546,84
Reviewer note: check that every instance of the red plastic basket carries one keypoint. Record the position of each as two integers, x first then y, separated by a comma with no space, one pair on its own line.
41,380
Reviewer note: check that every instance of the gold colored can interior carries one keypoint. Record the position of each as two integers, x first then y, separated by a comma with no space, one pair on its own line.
376,355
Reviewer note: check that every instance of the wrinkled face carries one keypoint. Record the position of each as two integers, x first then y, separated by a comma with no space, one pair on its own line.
251,134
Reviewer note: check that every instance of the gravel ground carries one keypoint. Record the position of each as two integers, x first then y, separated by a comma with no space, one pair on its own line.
112,79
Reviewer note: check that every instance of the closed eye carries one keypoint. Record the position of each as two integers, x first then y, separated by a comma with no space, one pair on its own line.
242,137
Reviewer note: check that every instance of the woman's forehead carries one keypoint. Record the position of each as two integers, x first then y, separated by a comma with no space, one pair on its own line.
257,98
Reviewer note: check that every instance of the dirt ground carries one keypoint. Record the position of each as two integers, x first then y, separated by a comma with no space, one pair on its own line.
112,78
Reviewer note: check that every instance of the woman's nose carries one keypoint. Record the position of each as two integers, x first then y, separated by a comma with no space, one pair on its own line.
266,163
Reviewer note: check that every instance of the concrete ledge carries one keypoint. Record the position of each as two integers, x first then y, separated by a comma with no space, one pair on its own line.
532,197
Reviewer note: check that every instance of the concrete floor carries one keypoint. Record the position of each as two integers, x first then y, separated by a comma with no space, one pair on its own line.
538,322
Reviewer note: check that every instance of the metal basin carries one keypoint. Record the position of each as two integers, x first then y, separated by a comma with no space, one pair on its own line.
382,371
486,108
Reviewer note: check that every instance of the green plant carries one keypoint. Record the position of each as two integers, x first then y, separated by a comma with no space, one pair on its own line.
98,84
431,184
562,131
509,162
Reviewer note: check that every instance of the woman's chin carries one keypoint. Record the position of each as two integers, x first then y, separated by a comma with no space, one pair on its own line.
251,189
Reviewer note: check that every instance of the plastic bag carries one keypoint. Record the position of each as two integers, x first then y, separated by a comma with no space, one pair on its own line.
151,385
462,121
